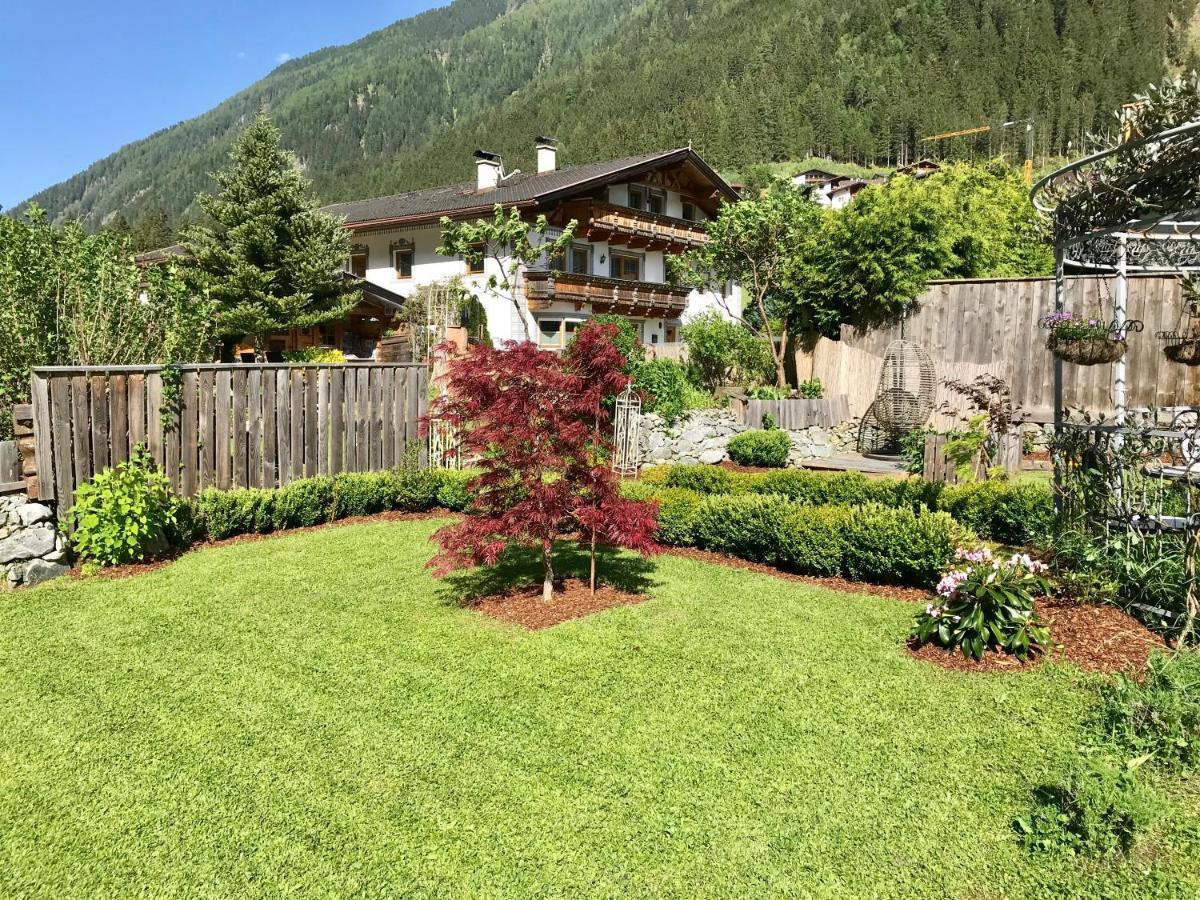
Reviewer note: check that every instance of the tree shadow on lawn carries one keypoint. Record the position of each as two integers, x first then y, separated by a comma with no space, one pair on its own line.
511,589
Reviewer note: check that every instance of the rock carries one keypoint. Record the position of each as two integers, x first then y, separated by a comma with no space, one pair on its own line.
39,570
712,457
32,513
27,544
13,574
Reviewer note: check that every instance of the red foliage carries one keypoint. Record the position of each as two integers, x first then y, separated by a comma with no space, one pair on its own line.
538,426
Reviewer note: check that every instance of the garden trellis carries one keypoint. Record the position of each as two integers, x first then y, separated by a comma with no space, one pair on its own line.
1134,208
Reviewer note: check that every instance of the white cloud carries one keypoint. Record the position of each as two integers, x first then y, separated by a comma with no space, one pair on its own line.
241,54
283,57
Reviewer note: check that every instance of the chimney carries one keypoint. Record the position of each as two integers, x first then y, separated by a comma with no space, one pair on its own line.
547,154
487,170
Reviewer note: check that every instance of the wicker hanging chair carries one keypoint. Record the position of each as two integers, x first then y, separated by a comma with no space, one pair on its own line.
904,399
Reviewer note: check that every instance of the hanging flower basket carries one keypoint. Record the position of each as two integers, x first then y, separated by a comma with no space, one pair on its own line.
1086,342
1186,352
1091,351
1181,346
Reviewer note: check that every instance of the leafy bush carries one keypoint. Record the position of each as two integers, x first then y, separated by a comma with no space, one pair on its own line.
314,355
717,346
678,510
700,478
987,603
454,491
898,546
814,540
1096,809
302,504
761,448
768,392
912,451
664,386
812,389
1161,715
126,514
1021,513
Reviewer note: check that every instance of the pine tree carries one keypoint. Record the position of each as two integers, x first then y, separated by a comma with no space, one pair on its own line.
271,259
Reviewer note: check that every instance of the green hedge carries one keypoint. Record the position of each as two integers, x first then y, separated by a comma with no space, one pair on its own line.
869,542
761,448
311,501
1008,512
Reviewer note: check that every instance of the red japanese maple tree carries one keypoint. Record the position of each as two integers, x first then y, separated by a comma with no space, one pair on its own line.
538,425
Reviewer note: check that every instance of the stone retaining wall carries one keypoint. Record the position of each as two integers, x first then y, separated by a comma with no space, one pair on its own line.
702,436
31,548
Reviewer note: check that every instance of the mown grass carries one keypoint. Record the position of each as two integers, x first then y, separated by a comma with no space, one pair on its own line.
314,715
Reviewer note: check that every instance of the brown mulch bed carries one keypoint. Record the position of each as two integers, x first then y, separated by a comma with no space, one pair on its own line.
892,592
142,568
573,599
1096,638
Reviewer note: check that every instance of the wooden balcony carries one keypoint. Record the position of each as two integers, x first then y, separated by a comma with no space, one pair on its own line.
634,228
604,295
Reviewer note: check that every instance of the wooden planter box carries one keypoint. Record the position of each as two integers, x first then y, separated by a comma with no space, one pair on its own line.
938,468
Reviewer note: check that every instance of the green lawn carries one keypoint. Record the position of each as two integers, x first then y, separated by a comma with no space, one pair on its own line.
313,715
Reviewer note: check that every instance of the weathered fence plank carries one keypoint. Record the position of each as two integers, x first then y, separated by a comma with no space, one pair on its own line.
229,426
10,468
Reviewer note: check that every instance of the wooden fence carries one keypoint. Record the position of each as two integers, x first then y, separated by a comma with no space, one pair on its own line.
936,467
791,414
992,326
230,426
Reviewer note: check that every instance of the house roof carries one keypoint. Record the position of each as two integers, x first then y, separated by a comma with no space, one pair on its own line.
465,199
827,176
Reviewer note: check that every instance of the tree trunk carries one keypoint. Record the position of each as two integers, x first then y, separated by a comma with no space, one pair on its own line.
547,572
593,575
781,359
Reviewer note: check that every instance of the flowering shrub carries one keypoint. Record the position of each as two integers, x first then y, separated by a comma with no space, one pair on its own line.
1066,326
987,602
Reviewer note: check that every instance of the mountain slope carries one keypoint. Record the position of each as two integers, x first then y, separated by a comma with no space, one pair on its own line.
745,80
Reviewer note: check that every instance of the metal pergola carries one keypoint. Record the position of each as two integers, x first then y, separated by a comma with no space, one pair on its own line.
1130,231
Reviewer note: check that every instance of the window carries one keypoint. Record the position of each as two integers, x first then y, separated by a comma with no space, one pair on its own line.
577,260
656,201
403,261
580,259
671,333
474,261
689,211
626,267
357,265
557,332
637,197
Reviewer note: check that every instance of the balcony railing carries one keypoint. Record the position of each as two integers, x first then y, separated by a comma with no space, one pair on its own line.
635,228
604,294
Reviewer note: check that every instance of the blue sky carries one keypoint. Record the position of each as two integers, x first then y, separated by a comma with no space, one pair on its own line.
81,78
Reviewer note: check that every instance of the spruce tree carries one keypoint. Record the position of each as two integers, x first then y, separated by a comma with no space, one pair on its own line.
270,258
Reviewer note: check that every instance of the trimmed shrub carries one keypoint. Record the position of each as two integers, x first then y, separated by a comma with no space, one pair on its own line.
1160,716
899,546
814,543
761,448
701,479
453,492
1001,511
228,513
414,490
1095,809
362,493
125,514
678,511
303,503
750,526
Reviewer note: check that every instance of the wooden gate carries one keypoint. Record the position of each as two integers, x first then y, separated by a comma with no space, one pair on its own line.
225,426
